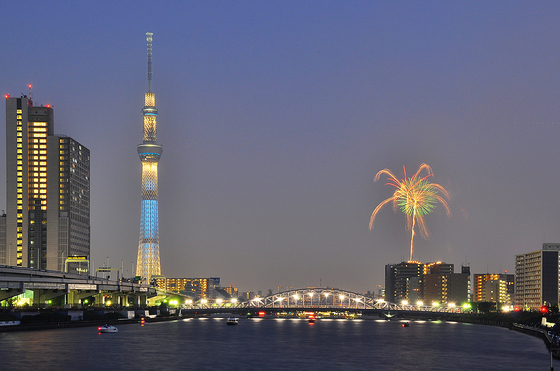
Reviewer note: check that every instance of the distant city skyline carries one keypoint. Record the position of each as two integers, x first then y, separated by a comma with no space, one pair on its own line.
276,117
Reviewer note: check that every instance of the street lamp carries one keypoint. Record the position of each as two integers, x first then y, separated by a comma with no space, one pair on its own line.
341,299
311,299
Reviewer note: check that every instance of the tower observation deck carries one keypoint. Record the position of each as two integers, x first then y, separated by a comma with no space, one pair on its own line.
148,263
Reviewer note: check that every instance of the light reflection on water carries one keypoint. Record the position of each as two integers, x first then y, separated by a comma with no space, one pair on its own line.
277,344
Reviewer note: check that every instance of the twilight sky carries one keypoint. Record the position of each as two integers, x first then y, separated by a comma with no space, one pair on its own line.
275,116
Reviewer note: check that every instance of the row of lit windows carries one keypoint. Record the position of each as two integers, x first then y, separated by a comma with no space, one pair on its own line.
19,215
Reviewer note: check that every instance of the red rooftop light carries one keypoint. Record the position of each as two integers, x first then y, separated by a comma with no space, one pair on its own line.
7,96
48,106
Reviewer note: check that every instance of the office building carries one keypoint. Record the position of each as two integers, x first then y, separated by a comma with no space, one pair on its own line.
196,288
47,191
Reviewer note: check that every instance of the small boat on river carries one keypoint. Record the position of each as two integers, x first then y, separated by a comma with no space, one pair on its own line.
232,321
107,328
405,324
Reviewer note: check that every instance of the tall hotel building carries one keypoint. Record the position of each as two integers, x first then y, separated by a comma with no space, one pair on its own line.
148,263
47,191
537,277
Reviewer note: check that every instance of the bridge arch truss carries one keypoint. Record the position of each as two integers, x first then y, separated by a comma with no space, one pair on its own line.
320,297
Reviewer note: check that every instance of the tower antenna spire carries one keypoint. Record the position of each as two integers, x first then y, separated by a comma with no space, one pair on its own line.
148,263
149,40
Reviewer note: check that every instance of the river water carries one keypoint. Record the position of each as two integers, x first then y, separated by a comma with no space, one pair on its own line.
276,344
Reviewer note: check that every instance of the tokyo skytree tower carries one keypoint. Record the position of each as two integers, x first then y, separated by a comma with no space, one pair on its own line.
148,263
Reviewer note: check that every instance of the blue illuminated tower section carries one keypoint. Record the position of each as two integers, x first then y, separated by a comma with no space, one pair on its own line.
148,263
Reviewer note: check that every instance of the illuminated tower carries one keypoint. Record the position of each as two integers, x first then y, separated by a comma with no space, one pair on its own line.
148,263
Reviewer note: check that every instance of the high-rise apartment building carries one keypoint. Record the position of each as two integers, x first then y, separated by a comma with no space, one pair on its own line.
485,286
404,282
47,191
428,283
443,286
537,277
148,262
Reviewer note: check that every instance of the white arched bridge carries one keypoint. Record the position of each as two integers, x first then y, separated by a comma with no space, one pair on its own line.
313,298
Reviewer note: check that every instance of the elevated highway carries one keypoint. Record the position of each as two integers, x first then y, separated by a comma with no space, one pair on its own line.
47,285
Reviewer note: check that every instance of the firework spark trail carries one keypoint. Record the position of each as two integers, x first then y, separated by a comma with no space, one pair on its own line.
416,197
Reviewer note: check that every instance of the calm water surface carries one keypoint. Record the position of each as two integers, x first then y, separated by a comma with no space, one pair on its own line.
276,344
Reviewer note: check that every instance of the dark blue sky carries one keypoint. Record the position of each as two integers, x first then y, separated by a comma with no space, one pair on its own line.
276,116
